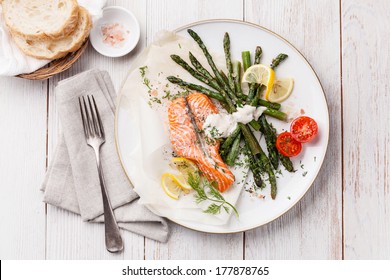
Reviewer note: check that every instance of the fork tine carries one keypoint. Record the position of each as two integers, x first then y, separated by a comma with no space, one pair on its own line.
88,119
95,124
82,112
101,129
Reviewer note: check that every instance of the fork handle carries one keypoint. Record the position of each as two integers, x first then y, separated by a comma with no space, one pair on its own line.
114,241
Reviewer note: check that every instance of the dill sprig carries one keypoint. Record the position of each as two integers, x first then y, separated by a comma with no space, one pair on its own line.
142,71
146,81
205,191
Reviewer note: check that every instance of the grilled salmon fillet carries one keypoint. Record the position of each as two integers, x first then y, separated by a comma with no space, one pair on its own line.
187,143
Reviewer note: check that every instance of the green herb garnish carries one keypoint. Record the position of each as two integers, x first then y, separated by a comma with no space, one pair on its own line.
205,191
155,100
146,81
142,71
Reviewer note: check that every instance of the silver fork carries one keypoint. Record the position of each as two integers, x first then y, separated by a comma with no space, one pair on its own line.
94,135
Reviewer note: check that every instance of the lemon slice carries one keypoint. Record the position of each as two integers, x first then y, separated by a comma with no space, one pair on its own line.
281,90
182,181
170,185
184,166
260,74
173,184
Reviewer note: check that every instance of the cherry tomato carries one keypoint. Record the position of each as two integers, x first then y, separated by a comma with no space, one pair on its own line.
304,129
287,145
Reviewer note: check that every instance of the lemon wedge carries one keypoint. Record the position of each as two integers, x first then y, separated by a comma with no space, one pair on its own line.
170,185
174,184
182,181
260,74
281,90
184,166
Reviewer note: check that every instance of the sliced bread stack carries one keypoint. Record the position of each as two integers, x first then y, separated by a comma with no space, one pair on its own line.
47,29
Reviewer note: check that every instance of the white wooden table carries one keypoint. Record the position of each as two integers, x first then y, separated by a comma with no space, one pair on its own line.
346,213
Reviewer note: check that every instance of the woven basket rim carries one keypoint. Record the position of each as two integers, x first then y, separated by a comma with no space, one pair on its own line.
56,66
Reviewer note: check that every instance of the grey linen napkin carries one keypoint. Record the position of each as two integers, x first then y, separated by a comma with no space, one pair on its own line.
72,181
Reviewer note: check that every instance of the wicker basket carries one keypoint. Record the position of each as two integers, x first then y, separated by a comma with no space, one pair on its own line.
56,66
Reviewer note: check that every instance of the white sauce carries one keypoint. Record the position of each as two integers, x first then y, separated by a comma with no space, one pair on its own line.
222,125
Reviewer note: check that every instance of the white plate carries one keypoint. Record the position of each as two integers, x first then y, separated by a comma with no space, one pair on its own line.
307,95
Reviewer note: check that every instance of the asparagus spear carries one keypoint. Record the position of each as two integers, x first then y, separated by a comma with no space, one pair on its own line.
276,61
255,100
229,65
199,67
271,105
246,59
254,167
250,139
270,133
228,142
252,92
233,153
258,54
253,87
270,140
208,92
271,175
286,162
237,79
269,112
193,72
275,114
259,164
210,60
254,123
198,75
226,80
224,77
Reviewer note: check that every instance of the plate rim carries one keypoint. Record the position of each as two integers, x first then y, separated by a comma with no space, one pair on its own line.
192,24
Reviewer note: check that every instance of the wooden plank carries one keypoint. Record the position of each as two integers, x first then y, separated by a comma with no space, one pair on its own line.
313,228
185,243
67,236
22,167
172,14
366,75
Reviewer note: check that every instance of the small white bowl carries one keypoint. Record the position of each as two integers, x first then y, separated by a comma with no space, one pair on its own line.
123,17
